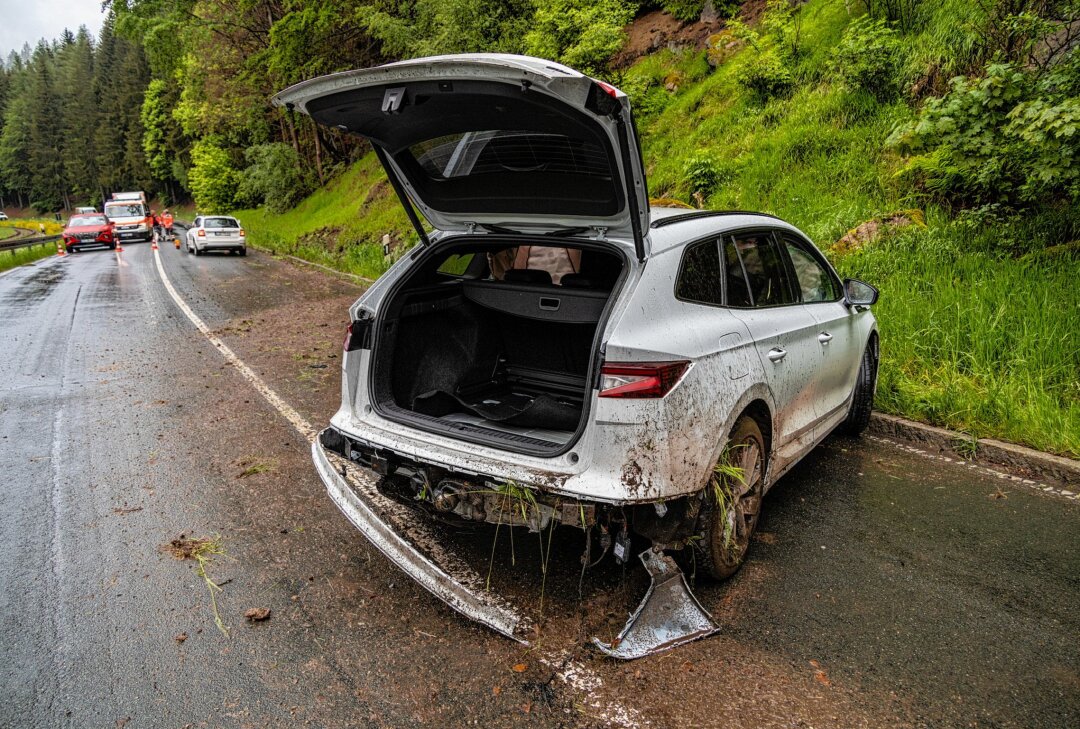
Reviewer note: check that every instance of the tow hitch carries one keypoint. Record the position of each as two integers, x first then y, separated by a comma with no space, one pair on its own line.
669,614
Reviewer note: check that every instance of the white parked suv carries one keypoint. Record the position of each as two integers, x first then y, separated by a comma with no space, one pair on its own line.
556,334
216,233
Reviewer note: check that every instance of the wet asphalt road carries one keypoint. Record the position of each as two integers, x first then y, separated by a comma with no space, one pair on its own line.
884,589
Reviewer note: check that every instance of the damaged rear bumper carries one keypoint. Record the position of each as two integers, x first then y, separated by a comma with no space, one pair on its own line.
385,523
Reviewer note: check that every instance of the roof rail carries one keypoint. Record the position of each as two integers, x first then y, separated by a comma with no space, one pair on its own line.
694,215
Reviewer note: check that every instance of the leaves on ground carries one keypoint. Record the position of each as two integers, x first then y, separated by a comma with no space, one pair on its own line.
257,614
252,467
520,668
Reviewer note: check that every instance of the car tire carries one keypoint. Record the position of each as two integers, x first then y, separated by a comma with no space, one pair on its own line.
197,251
112,246
727,525
862,398
242,251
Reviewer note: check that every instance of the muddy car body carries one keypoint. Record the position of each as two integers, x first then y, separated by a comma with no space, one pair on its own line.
556,343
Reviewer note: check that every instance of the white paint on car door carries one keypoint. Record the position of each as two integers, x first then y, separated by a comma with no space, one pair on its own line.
784,335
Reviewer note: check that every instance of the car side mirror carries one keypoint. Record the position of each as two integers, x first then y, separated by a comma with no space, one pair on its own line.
859,294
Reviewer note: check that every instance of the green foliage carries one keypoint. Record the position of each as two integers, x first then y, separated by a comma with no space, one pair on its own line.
869,58
1009,137
683,9
904,14
766,76
273,177
430,27
703,173
580,33
213,179
155,120
783,22
958,349
26,255
339,225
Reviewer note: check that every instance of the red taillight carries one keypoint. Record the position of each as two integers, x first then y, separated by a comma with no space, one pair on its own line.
640,379
348,338
241,232
608,89
201,233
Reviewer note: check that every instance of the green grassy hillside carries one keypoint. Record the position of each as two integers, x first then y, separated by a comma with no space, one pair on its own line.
979,312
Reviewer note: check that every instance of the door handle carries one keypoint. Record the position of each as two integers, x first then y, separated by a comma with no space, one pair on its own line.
776,354
824,337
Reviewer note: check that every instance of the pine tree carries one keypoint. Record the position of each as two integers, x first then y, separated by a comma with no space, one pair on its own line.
49,189
80,115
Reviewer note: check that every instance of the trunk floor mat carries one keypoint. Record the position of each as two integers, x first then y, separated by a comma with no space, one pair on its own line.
525,411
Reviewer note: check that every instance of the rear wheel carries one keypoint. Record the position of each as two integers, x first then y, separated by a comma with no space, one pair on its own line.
862,399
112,246
197,251
732,502
243,251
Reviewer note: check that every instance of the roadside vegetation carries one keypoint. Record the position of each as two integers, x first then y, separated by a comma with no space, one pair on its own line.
11,259
928,147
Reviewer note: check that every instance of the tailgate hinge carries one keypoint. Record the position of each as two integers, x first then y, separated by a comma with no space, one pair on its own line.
601,232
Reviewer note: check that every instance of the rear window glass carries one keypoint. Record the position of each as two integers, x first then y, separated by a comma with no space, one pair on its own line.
220,223
700,276
88,220
501,151
456,264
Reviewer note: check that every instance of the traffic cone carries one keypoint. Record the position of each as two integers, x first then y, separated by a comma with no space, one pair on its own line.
60,249
153,244
119,248
177,242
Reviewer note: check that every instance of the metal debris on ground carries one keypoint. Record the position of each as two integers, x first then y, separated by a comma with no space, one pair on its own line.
668,616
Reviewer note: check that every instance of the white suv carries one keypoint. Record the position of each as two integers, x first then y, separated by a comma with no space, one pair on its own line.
556,334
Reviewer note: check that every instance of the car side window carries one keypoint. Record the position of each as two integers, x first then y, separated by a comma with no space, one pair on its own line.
700,276
814,282
737,290
764,271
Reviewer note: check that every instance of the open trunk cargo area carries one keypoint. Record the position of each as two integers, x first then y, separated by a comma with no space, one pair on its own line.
505,360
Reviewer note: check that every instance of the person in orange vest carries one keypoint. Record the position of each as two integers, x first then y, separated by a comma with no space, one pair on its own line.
167,221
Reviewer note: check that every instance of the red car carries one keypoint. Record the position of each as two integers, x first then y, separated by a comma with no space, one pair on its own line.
88,230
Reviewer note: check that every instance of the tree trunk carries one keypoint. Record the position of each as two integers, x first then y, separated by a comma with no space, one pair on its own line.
318,154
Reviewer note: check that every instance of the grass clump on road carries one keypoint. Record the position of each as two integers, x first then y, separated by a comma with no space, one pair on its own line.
203,551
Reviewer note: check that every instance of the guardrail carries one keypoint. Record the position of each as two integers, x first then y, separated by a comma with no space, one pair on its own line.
19,243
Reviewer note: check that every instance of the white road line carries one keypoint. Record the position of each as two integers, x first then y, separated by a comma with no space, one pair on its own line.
1034,485
296,420
572,673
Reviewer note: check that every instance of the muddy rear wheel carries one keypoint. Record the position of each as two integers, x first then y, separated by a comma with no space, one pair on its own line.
732,502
